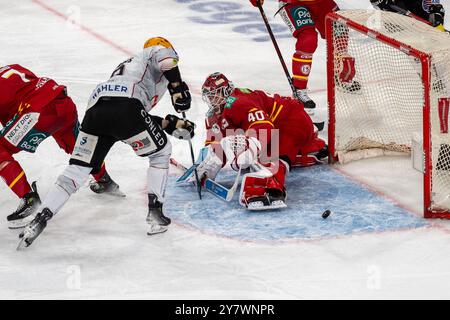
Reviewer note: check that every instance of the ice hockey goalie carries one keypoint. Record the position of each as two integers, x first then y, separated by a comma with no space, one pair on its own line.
268,134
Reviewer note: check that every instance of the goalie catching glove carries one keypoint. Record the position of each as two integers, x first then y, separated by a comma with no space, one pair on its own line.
179,128
210,166
242,151
181,97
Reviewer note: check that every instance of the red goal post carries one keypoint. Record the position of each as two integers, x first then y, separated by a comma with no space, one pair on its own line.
389,79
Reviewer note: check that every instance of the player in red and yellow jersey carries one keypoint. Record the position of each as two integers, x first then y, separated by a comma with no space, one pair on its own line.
31,109
252,127
306,20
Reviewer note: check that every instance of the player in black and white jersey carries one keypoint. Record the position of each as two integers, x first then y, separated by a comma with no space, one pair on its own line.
120,110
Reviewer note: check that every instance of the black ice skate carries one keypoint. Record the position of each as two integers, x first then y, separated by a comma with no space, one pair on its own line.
34,229
302,96
26,211
106,185
273,199
309,105
156,220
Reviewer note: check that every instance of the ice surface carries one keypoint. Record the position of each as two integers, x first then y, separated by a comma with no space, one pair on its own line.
97,247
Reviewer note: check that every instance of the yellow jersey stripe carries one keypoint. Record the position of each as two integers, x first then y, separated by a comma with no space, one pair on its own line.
273,108
261,121
301,60
276,115
16,179
300,77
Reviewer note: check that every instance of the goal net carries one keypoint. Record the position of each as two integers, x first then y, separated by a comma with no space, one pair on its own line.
389,81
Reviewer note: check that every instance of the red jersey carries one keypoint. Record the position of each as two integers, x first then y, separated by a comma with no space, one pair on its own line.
21,90
247,109
303,2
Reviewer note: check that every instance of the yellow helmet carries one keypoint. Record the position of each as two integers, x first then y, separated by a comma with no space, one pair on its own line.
158,41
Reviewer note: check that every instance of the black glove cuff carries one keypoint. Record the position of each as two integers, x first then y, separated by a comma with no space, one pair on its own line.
157,120
172,125
182,87
173,75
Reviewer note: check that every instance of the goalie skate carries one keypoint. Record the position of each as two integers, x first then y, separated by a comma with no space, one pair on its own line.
272,199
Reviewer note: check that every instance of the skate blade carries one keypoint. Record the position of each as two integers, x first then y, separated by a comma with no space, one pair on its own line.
20,224
16,226
22,244
156,230
116,193
259,206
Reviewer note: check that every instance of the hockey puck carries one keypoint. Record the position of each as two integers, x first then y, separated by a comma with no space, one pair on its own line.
326,213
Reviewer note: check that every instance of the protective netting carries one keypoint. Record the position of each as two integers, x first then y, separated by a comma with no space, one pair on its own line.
379,109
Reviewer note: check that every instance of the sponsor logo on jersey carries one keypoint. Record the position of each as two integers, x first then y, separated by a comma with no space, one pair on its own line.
42,82
83,141
16,130
302,17
32,140
229,102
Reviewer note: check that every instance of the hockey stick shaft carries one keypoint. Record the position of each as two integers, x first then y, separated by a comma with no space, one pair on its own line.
277,48
199,186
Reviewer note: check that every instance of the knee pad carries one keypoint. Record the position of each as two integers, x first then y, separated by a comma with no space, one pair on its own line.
73,178
307,41
161,158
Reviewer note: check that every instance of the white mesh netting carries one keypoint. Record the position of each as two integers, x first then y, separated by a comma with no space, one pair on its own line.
381,107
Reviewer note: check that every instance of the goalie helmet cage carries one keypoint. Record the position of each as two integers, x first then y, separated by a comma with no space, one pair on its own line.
399,87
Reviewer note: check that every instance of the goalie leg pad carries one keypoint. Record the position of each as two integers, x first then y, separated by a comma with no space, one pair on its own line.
264,193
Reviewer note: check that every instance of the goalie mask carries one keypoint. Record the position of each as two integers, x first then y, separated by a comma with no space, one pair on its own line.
215,91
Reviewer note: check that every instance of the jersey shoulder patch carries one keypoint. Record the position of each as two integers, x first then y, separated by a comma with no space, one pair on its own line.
229,102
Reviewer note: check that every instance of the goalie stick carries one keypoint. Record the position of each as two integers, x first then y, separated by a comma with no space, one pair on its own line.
211,186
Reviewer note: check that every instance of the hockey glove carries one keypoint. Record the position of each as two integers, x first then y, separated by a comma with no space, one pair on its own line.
255,2
179,128
181,97
382,4
241,150
437,14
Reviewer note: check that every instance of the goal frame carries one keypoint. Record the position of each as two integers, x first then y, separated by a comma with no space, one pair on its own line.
425,60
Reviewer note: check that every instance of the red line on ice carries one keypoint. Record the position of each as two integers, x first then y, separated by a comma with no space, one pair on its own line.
84,28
